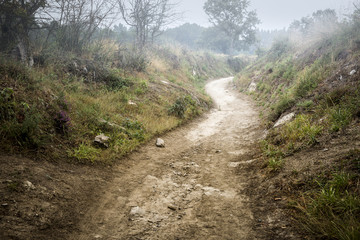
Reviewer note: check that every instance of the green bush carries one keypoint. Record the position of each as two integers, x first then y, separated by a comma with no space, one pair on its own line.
134,129
114,82
184,106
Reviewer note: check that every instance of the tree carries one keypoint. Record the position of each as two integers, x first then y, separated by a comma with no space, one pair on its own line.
235,20
147,17
321,21
75,21
17,18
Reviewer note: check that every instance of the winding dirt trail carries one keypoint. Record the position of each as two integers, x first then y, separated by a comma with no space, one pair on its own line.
192,189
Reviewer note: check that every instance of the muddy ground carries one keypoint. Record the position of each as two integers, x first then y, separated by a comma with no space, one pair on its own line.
202,185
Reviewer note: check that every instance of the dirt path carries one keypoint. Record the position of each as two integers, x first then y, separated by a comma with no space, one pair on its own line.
188,190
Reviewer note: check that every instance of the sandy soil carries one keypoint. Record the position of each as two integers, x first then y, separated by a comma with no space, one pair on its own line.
192,188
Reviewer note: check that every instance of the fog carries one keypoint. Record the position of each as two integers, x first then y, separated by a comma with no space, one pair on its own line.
274,14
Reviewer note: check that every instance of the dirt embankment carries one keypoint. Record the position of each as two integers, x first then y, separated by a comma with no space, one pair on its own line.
197,187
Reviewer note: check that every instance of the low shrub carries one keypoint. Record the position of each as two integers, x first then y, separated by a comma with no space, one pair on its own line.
184,106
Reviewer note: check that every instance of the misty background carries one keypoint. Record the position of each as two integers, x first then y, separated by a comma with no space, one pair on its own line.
275,14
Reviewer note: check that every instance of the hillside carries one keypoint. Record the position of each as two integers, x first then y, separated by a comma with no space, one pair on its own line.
307,88
50,115
56,109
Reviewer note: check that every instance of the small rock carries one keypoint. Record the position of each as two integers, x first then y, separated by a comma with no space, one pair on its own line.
4,204
252,87
29,185
137,211
132,103
234,164
98,236
160,143
284,119
352,72
218,151
102,141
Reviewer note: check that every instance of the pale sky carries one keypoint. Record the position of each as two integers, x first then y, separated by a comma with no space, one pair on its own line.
274,14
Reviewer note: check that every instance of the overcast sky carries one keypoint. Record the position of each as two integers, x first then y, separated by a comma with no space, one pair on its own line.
274,14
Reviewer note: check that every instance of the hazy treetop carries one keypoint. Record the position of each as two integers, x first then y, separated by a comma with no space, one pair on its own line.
274,14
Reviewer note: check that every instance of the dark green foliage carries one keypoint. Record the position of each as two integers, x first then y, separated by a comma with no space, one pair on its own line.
134,129
178,108
115,82
24,131
7,104
181,105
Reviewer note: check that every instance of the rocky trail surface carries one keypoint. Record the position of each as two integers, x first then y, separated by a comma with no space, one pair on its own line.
191,189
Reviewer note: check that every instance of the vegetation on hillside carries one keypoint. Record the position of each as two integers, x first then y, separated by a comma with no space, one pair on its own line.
56,110
313,72
67,76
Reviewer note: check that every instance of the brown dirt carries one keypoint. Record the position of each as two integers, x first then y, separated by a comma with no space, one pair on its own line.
202,185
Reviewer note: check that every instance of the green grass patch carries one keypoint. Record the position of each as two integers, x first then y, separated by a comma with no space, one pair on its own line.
302,130
332,209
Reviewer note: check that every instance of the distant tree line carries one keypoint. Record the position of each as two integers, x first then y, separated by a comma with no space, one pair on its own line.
72,25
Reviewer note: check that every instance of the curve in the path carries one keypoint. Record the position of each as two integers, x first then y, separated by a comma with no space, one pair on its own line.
188,190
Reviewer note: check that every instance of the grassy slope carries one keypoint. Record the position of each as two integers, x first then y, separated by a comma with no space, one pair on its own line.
318,151
55,111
